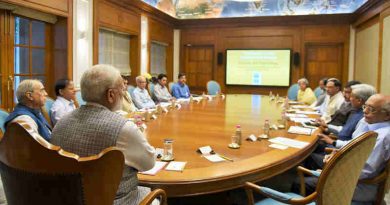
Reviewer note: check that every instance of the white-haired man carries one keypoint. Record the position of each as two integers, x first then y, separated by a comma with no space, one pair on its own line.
141,97
96,126
31,96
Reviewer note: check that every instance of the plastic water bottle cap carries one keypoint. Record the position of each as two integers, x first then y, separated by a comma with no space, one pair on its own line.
238,126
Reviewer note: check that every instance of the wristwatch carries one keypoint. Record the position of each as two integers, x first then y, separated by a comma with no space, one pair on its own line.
334,143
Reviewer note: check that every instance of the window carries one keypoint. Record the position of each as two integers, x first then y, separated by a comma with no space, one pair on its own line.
30,49
158,58
114,49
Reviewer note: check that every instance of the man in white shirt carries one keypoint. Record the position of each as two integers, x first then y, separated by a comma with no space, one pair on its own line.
64,103
333,100
141,97
95,126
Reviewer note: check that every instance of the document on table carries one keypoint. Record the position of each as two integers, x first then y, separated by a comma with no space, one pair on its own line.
165,104
157,167
300,106
290,115
301,119
176,166
289,142
307,112
278,146
214,158
300,130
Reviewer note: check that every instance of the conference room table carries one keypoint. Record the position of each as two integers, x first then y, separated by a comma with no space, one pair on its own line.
212,123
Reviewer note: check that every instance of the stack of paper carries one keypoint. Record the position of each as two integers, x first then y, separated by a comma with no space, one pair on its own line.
289,142
157,167
214,158
307,112
292,115
301,119
299,130
300,106
176,166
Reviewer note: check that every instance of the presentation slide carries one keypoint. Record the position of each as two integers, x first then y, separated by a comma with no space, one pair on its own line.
258,67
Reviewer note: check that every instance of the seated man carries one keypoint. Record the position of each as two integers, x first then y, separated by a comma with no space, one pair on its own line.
339,118
64,103
180,89
95,126
376,118
31,96
321,97
305,94
333,100
360,94
141,97
127,103
161,91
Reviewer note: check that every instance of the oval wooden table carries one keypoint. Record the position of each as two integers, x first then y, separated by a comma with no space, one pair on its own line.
213,123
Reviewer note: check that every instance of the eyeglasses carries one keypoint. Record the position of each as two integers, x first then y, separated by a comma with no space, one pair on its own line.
370,109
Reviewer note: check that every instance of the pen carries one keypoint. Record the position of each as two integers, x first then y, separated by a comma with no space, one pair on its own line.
227,158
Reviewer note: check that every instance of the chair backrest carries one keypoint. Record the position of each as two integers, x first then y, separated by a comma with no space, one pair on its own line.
34,171
213,87
130,89
3,115
46,110
318,91
170,84
340,175
292,92
79,99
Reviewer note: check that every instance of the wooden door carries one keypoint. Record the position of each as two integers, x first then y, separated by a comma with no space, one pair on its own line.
25,54
198,67
323,60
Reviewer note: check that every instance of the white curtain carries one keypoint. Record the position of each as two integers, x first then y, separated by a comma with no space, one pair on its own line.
114,49
158,58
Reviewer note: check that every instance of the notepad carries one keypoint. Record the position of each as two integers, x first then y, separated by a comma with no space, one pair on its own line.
205,150
292,115
289,142
176,166
278,146
157,167
301,119
300,106
214,158
307,112
300,130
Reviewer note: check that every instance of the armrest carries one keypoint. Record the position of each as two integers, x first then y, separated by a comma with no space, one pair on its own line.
301,174
333,136
375,180
153,195
278,196
330,150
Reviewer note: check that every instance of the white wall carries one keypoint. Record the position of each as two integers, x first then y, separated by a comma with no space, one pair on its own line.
82,38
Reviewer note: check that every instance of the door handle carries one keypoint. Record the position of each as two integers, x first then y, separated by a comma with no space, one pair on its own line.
10,82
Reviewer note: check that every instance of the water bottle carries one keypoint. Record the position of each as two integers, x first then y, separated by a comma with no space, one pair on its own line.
266,127
238,134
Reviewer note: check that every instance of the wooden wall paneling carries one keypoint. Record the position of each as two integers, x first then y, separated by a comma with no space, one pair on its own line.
336,36
57,7
135,46
117,18
60,50
163,32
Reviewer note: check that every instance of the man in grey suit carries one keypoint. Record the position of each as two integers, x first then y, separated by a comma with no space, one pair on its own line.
95,126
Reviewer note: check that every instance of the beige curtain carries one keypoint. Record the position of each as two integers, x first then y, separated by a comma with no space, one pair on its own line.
114,49
158,58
